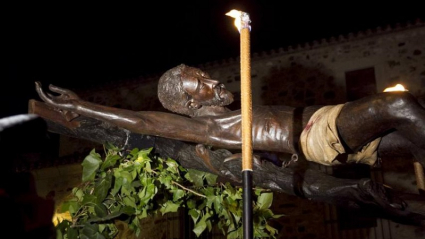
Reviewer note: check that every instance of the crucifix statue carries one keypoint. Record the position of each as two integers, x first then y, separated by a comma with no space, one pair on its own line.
357,132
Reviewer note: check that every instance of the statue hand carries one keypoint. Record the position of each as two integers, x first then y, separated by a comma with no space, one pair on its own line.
64,102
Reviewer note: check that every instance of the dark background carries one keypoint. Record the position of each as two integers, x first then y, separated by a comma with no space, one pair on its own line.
79,45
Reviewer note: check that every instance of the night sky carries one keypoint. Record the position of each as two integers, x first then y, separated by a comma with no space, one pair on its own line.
72,45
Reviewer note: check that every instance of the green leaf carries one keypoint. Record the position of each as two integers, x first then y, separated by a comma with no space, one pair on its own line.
71,206
102,188
265,200
272,230
236,234
100,210
147,194
144,214
278,215
144,154
210,200
134,152
191,203
172,166
90,165
89,199
199,227
211,179
177,194
196,177
194,214
111,147
78,192
169,207
72,233
91,231
59,234
128,210
117,185
129,201
110,161
127,177
165,179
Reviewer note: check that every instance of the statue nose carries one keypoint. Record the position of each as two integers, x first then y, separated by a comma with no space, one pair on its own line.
212,83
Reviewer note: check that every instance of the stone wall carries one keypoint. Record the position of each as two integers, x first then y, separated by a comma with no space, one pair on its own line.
312,73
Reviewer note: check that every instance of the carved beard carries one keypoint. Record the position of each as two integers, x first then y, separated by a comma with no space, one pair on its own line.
222,97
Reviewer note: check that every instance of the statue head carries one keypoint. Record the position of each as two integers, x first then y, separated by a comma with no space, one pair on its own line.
185,90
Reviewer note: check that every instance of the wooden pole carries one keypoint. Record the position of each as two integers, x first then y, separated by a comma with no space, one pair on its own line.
246,111
242,21
246,100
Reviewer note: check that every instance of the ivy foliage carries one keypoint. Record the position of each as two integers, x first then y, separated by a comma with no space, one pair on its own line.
127,188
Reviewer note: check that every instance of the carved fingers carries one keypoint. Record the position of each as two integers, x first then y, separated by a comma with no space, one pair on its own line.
64,93
62,102
45,97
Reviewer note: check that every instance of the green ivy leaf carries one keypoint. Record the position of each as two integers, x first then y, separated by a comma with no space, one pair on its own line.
196,177
110,161
78,192
111,147
265,200
235,234
128,210
102,187
172,166
194,214
100,210
129,201
144,154
165,179
271,230
211,179
72,233
177,194
169,207
71,206
133,153
127,177
210,200
191,203
201,225
91,231
89,199
117,185
90,165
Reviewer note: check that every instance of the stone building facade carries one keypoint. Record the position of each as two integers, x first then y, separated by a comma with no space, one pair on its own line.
312,73
327,71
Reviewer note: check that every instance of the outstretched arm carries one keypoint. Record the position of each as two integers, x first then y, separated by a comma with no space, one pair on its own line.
208,130
148,122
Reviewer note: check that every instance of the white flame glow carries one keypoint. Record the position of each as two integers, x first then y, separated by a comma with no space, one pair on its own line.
237,16
398,87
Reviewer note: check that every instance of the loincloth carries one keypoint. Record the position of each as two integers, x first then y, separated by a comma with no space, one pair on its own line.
320,142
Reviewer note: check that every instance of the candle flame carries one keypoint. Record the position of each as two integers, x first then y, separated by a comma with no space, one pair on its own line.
398,87
241,19
237,16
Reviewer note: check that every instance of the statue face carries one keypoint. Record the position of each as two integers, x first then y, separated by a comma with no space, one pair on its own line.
204,90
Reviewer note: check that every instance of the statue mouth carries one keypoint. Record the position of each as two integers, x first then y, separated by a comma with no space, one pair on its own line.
220,92
222,95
